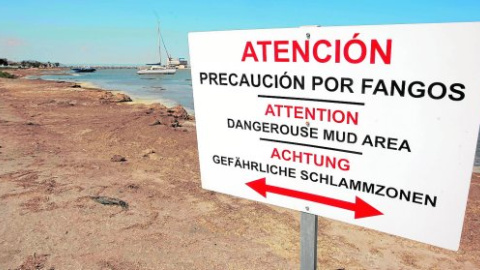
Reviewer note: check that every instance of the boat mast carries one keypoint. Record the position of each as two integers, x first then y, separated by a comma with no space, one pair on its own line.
165,47
159,43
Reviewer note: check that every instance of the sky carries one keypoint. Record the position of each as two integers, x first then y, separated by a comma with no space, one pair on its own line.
124,31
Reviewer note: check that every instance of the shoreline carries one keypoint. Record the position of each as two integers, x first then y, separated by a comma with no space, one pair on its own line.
90,85
85,86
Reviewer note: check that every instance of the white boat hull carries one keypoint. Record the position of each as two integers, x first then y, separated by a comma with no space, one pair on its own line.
156,71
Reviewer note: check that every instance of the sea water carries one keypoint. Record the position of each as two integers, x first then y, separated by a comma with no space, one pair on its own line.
169,90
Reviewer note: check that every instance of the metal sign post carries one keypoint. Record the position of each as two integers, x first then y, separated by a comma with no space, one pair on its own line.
308,241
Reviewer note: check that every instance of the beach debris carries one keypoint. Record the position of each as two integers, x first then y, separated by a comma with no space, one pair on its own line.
150,154
156,109
156,122
37,261
60,102
118,158
31,124
109,97
149,111
147,152
47,102
106,97
175,124
133,186
178,112
50,185
76,86
66,103
110,201
189,124
122,98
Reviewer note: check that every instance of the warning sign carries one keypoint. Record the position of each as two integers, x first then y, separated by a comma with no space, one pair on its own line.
371,125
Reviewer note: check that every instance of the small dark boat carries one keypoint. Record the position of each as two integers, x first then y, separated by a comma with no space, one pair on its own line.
83,69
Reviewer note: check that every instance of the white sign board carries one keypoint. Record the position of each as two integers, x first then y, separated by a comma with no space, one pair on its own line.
371,125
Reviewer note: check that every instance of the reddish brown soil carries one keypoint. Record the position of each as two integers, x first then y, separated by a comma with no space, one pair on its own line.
57,143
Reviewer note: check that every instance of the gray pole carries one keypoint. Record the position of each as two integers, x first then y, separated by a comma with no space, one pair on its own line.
308,241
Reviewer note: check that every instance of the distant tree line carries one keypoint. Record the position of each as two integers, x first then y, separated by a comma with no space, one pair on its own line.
28,64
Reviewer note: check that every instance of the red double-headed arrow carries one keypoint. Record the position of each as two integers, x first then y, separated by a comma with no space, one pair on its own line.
360,207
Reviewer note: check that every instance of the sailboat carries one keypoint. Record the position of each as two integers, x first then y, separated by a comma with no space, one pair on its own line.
159,68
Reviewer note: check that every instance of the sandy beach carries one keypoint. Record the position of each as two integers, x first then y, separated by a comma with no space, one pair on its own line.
89,181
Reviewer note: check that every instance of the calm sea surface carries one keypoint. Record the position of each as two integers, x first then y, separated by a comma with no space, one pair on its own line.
167,89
